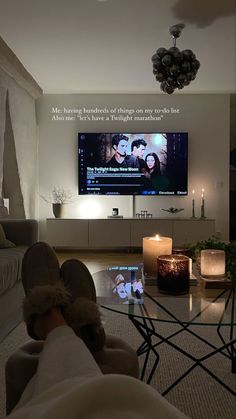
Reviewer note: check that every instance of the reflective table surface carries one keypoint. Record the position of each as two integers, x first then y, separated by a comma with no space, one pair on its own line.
123,289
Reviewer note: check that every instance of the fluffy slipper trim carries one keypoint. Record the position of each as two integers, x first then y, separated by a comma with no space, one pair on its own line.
41,299
85,319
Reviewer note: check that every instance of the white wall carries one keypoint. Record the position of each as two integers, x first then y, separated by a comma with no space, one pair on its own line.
204,117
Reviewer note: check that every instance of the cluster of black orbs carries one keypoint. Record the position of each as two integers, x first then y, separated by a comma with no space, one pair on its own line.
174,69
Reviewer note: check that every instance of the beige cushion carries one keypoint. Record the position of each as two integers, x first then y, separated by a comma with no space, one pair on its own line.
4,243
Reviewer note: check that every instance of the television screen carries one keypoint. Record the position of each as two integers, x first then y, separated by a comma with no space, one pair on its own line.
133,163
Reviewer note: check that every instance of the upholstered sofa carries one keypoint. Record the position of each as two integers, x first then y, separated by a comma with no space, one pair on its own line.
22,233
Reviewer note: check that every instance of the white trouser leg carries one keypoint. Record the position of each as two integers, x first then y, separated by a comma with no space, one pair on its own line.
64,356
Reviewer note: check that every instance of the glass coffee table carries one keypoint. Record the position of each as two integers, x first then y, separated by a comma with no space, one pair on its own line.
122,289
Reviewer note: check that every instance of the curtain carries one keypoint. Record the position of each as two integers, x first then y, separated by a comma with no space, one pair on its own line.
2,130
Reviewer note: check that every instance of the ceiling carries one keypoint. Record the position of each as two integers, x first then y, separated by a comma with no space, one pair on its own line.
92,46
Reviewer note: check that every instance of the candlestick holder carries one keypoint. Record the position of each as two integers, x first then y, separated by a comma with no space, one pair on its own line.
203,211
193,209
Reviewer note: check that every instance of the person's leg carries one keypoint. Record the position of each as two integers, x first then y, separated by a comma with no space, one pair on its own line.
68,382
64,355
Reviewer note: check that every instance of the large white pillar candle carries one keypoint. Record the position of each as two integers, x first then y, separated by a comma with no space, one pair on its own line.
213,263
152,248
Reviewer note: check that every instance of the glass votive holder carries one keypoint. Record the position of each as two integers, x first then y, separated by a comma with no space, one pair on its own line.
173,274
213,263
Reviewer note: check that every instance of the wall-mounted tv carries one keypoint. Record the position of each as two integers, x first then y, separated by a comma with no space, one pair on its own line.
133,163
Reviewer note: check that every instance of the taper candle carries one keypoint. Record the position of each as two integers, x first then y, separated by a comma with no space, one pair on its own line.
203,204
193,204
203,190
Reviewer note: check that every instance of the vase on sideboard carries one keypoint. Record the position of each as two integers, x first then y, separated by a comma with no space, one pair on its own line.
58,210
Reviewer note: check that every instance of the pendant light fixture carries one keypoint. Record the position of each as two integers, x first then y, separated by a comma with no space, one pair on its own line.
173,68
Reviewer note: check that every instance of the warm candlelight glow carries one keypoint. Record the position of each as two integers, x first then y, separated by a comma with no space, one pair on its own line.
203,190
157,237
213,263
152,248
190,302
182,251
190,266
193,204
211,312
203,204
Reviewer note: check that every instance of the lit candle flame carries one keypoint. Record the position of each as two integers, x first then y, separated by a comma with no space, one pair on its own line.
193,191
157,237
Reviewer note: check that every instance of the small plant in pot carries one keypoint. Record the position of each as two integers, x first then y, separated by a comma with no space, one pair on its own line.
59,197
215,243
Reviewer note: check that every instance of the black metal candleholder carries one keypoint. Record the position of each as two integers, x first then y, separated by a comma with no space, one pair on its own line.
193,209
203,209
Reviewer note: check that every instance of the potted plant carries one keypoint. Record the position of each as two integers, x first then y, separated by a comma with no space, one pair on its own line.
59,197
215,243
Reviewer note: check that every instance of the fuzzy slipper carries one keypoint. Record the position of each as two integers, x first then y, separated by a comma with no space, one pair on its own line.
78,280
40,300
84,317
40,266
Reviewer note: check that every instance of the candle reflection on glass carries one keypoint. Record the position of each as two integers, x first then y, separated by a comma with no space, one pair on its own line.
212,312
190,302
152,248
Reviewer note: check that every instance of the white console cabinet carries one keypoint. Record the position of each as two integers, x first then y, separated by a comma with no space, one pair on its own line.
124,232
68,232
109,233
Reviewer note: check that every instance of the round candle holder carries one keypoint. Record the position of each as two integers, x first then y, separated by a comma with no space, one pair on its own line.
173,274
213,263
